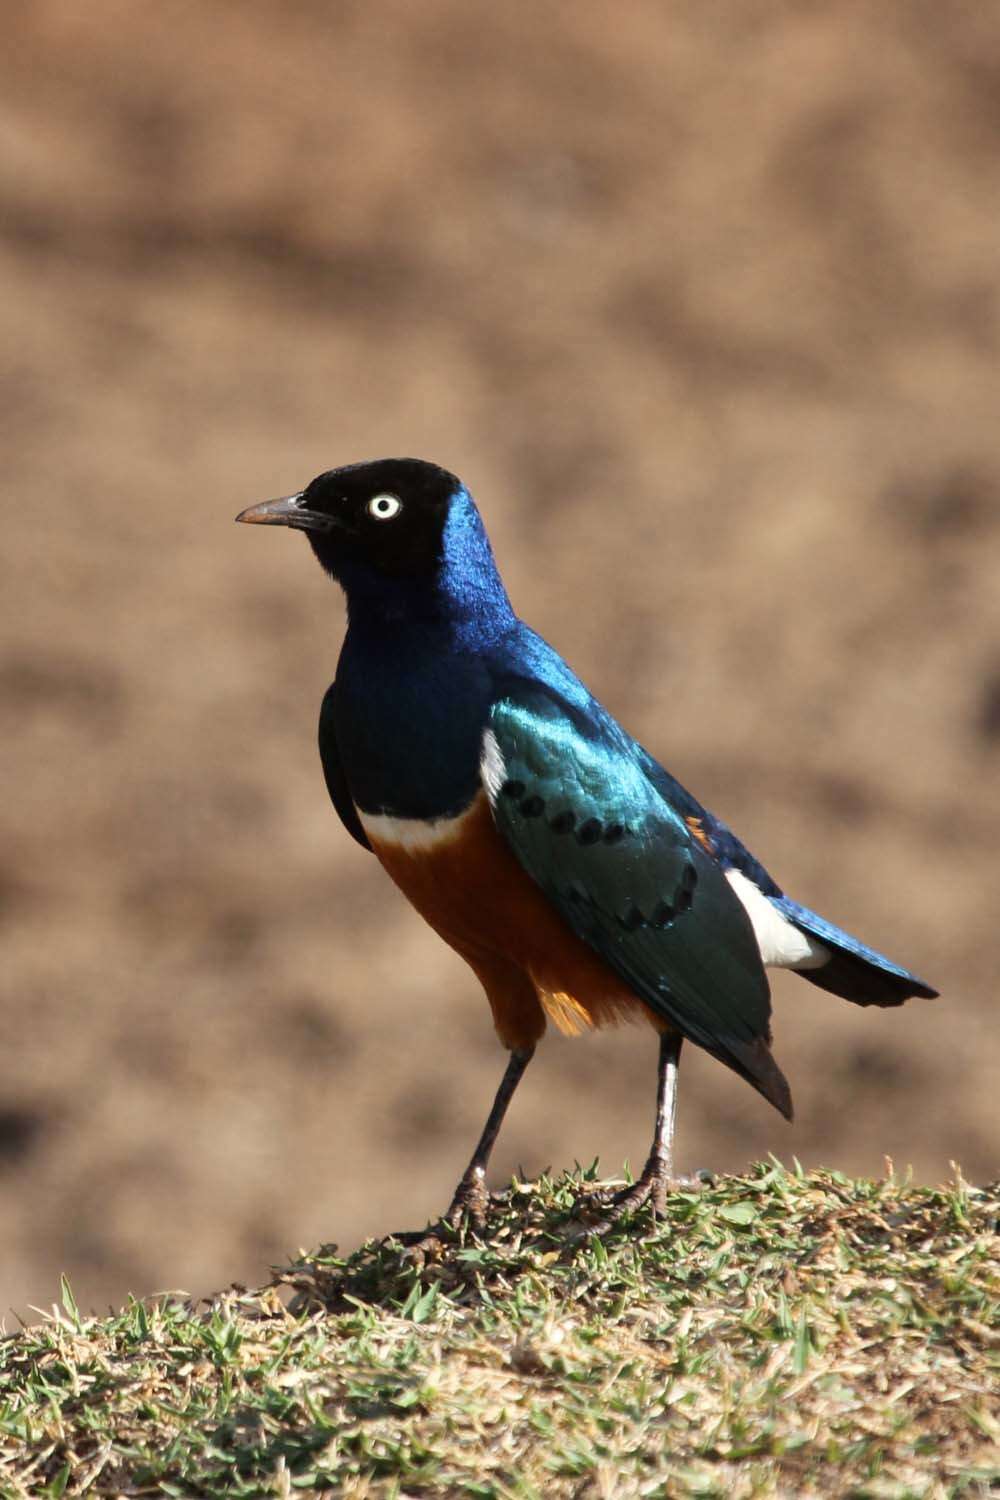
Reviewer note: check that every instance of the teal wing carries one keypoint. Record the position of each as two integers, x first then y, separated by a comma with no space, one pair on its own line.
623,869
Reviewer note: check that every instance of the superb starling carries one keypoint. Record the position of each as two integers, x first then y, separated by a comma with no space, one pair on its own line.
576,877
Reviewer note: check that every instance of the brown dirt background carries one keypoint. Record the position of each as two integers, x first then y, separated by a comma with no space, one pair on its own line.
704,303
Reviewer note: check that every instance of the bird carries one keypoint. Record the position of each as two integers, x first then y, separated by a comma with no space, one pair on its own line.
580,881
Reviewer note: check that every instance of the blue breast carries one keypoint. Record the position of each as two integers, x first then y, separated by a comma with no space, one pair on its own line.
409,725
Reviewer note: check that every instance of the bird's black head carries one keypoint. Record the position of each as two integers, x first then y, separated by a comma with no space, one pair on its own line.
386,517
407,543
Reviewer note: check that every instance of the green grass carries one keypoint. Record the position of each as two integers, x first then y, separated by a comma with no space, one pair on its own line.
782,1334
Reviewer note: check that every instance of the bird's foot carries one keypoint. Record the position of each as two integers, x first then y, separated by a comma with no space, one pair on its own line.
650,1188
648,1191
471,1202
468,1209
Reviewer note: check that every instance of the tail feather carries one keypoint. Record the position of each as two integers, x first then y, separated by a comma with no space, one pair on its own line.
855,972
754,1061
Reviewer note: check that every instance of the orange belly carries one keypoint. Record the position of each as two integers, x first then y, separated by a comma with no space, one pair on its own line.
469,887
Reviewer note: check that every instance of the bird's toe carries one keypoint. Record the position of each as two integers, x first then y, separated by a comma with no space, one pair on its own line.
470,1205
612,1204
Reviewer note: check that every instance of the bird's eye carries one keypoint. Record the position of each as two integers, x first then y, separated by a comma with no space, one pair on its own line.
384,507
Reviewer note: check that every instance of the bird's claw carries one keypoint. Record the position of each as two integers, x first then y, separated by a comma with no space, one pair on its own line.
470,1205
468,1210
429,1247
648,1191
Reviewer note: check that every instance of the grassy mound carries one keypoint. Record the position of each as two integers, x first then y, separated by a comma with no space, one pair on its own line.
781,1333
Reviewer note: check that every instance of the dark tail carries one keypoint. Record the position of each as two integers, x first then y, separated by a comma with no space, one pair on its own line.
854,971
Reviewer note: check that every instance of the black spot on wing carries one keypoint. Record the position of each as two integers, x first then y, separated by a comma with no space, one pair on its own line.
684,895
661,914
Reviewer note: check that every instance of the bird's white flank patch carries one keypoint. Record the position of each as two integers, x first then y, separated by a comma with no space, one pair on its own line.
419,835
781,945
491,766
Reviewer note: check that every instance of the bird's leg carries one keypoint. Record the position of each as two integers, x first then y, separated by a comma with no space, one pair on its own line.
651,1185
471,1200
471,1197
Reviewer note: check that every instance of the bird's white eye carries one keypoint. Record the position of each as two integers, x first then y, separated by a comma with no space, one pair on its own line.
384,507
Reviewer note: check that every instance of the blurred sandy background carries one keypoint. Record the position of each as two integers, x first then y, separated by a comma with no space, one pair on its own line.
704,303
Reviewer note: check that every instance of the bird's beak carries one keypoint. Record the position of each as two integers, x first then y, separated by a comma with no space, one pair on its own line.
288,511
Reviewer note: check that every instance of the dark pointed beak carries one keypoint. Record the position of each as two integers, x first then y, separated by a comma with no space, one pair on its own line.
288,511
